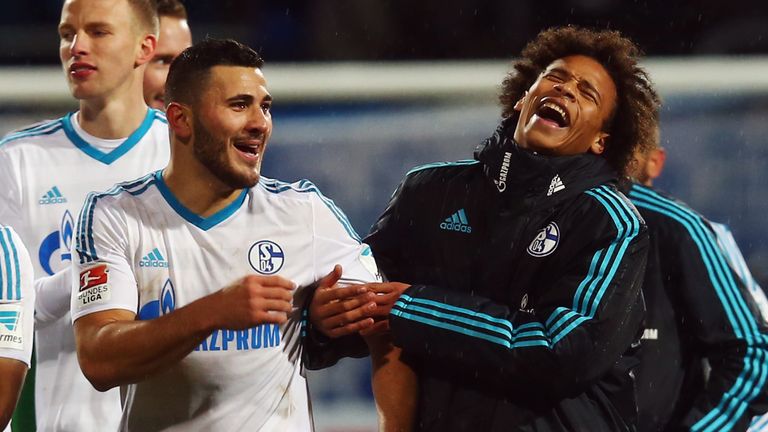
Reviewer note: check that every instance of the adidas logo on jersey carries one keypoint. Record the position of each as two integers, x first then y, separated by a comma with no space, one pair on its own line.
456,222
153,259
556,185
53,196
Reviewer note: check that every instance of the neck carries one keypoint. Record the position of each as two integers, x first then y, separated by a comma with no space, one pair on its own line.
115,116
196,187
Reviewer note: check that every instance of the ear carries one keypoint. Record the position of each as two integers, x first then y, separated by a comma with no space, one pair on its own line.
147,49
598,147
655,165
179,121
519,104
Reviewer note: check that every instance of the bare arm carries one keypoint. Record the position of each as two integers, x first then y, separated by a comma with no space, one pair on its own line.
113,349
12,373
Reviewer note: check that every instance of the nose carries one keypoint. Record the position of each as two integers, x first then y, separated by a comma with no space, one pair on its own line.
259,121
79,45
567,89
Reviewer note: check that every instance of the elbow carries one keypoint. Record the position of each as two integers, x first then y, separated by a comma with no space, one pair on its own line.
98,374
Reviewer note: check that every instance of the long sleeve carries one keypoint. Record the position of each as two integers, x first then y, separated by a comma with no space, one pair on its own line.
570,331
717,308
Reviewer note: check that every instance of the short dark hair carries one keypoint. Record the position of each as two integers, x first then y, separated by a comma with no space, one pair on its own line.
191,68
171,8
146,14
635,118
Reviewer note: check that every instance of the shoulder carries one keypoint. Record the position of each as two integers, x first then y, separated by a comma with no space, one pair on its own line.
609,204
14,260
664,208
440,170
120,194
37,132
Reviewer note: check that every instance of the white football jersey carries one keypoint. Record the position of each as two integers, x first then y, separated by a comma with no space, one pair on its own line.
17,299
141,250
46,171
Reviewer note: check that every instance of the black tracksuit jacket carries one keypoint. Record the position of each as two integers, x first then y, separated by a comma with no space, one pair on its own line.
526,274
697,308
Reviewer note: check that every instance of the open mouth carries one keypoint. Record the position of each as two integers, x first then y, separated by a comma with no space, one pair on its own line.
554,113
248,150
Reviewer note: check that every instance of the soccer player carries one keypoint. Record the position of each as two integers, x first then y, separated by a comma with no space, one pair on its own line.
704,356
175,36
521,269
47,169
17,301
193,279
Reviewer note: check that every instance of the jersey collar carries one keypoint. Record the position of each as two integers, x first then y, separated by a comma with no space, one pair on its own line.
204,223
125,147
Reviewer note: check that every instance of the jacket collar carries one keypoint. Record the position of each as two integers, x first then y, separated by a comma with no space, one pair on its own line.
515,171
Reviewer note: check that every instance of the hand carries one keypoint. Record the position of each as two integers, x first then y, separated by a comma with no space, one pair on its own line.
253,300
339,311
387,294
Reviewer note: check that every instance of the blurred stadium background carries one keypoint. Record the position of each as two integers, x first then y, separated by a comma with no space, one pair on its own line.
367,89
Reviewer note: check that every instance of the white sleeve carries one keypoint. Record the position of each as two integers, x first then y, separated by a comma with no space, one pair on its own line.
103,277
53,293
338,243
10,194
17,298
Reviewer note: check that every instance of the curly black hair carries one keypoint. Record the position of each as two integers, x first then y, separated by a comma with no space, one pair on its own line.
635,118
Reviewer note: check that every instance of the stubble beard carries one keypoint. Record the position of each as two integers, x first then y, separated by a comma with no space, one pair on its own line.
212,153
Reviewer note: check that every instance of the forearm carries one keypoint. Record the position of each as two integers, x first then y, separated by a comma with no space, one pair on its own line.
52,297
12,373
114,352
395,386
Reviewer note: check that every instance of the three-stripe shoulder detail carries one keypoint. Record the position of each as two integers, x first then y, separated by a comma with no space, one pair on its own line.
84,241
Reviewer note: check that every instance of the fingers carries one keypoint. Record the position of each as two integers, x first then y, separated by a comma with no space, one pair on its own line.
349,328
331,278
378,328
328,294
270,281
352,308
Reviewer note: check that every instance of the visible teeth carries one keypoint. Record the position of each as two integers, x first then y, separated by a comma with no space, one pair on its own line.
555,108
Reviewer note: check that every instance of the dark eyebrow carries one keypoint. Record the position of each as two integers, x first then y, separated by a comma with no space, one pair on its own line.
248,98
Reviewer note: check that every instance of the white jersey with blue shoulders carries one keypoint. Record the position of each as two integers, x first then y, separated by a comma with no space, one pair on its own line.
17,299
46,171
141,250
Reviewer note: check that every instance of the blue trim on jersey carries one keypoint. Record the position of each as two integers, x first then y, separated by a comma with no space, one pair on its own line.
442,164
119,151
305,186
159,115
204,223
84,244
47,128
11,256
753,376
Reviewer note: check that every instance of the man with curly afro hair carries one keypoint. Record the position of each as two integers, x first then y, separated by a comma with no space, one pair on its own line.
517,302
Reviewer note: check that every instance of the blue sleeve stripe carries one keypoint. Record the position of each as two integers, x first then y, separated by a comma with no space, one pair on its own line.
12,277
45,129
753,376
603,266
305,186
85,246
468,332
470,323
504,324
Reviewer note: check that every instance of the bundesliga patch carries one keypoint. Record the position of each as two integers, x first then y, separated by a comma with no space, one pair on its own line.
11,326
94,286
546,241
